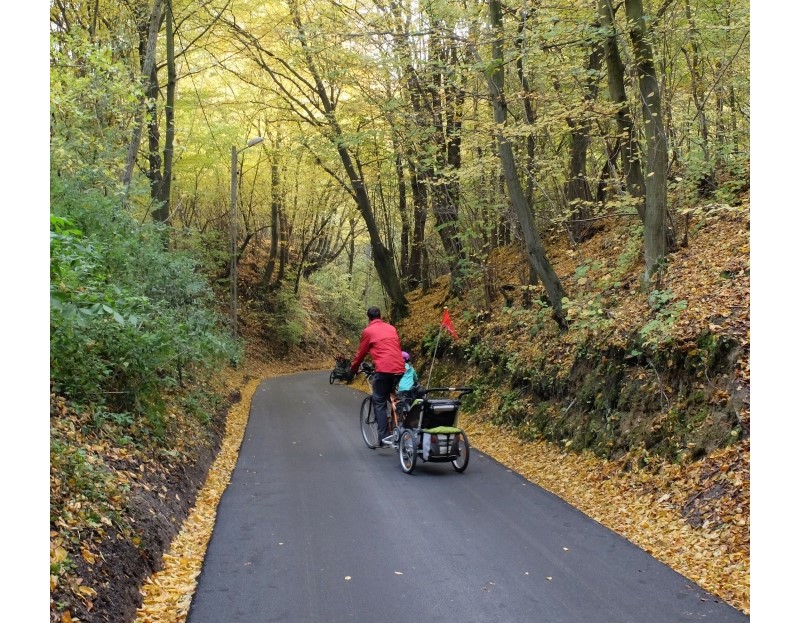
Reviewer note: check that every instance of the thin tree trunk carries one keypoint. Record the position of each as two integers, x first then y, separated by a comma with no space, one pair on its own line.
351,251
147,68
734,128
533,244
283,255
419,197
275,206
655,227
577,191
93,27
402,206
164,187
530,114
693,63
631,157
153,138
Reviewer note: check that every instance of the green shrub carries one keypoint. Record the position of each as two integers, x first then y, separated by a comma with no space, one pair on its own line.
286,318
93,96
128,319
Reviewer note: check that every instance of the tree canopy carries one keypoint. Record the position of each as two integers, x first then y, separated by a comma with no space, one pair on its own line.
606,110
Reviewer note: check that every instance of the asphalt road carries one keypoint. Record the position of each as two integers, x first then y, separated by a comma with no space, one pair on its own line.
315,526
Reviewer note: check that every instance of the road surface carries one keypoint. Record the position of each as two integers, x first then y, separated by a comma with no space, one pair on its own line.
316,527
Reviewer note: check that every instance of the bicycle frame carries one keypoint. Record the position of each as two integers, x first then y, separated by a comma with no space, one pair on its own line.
367,418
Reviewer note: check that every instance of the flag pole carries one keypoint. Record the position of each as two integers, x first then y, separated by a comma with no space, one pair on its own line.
436,348
433,359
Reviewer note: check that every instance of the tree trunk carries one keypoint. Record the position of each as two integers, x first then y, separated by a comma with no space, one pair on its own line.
164,186
283,255
577,191
419,197
533,244
706,182
655,230
275,206
631,157
153,139
148,63
351,251
530,114
402,206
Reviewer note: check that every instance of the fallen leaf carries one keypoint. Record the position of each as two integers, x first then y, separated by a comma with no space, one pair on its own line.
58,555
87,591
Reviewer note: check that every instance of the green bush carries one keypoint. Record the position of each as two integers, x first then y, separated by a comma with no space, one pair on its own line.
128,319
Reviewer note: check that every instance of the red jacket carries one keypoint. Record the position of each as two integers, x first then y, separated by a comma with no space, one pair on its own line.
379,339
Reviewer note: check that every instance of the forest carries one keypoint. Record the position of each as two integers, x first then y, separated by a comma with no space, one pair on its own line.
233,182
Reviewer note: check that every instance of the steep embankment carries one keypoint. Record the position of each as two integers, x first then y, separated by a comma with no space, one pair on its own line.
639,414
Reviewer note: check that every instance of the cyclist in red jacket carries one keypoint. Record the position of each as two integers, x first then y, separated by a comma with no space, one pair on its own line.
380,341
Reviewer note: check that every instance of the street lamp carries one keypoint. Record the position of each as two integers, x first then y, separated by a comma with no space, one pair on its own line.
234,186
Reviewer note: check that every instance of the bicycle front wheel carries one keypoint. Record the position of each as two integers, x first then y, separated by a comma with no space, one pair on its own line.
369,425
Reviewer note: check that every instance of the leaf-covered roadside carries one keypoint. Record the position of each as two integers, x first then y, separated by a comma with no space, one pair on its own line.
136,403
115,509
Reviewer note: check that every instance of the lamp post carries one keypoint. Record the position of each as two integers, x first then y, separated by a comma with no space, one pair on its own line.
234,187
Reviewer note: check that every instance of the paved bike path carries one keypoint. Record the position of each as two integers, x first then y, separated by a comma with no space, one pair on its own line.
314,526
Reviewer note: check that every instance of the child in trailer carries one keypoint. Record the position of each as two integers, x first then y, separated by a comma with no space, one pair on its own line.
409,382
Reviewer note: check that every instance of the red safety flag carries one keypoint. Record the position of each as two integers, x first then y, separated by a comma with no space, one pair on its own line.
448,324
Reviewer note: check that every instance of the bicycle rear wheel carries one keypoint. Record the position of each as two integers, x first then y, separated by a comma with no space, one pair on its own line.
462,459
408,451
369,425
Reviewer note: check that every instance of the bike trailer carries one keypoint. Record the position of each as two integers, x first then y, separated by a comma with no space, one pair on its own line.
431,432
340,370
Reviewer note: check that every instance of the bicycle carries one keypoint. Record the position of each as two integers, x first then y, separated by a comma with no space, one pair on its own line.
367,419
438,440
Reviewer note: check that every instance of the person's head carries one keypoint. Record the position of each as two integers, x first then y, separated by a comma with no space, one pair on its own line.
406,357
373,313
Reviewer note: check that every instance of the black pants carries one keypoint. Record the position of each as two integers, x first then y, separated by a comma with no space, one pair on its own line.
382,386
